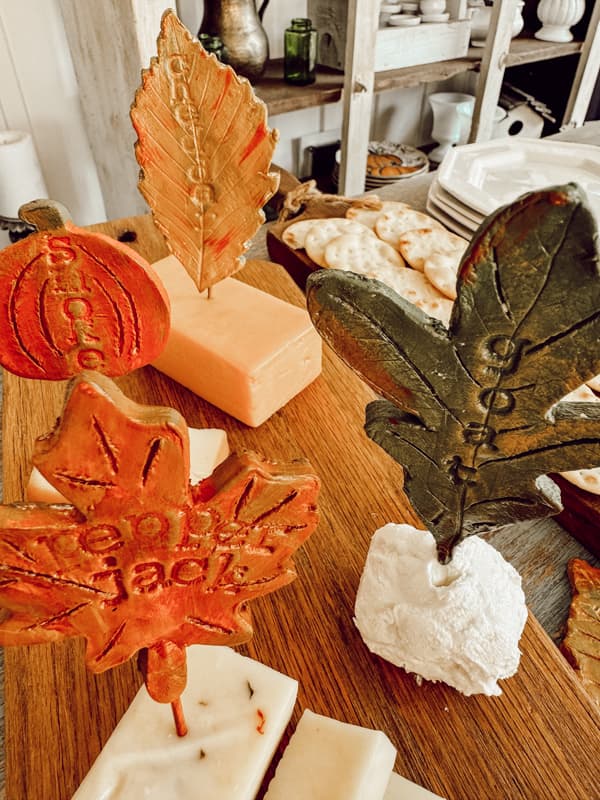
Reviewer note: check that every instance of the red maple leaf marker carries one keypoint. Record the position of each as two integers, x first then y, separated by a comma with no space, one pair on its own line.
141,559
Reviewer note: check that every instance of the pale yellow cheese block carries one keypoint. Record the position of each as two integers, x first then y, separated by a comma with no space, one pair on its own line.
331,760
208,448
244,351
236,710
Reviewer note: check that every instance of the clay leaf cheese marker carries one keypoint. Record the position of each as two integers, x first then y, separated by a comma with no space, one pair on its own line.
141,560
473,412
204,150
72,300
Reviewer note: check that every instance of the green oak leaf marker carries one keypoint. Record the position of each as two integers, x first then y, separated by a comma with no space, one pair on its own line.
472,412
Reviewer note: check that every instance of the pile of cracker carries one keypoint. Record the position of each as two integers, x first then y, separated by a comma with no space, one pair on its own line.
586,479
409,251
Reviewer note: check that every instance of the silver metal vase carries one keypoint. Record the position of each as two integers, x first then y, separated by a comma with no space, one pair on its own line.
237,24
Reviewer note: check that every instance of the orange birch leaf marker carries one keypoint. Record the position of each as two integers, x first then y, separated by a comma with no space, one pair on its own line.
141,559
204,149
72,300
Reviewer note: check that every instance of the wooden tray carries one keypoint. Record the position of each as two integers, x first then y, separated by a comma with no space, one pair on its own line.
302,203
539,740
581,514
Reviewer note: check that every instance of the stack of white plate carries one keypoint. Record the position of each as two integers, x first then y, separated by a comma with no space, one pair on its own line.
389,163
474,180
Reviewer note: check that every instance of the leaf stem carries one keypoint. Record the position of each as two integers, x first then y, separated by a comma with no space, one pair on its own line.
179,718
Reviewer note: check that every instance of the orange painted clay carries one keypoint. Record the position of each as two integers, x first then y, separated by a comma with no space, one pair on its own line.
141,559
72,300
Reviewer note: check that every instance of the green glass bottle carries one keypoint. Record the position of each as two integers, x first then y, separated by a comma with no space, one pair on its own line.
212,44
300,49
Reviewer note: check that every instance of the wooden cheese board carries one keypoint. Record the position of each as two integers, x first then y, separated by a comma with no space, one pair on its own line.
539,740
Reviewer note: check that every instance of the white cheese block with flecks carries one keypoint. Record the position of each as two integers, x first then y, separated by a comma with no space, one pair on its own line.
331,760
236,711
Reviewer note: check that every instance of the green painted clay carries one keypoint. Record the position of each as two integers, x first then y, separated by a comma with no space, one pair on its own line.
471,412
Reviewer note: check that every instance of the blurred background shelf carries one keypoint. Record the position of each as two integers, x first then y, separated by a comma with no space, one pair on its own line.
281,98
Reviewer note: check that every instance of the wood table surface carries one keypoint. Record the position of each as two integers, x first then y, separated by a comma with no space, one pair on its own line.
540,739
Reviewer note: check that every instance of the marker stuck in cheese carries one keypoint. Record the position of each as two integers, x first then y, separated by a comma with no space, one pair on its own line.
236,710
244,351
208,448
331,760
400,788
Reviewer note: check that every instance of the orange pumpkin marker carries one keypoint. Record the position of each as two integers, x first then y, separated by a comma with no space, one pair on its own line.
72,300
141,560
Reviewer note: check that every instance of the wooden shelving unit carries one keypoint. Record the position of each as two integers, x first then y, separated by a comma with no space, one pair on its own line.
527,50
359,82
281,97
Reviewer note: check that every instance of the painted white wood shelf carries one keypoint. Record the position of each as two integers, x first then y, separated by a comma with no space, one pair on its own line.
357,86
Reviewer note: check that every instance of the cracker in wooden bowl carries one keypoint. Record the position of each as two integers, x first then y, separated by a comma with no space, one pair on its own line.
586,479
392,225
441,269
324,230
419,244
365,255
415,287
295,234
367,215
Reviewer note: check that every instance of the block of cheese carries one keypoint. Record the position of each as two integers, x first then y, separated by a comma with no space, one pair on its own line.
244,351
236,710
400,788
331,760
208,448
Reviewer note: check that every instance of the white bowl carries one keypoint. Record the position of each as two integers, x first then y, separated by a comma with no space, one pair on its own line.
404,20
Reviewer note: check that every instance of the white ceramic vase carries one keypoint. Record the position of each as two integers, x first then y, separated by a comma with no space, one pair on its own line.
481,16
557,16
452,113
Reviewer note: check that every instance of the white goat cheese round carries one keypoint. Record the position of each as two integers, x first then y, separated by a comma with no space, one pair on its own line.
459,623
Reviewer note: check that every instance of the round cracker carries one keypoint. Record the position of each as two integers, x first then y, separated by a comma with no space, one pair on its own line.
419,244
368,216
583,394
415,287
392,225
594,383
324,230
441,270
586,479
365,255
295,234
